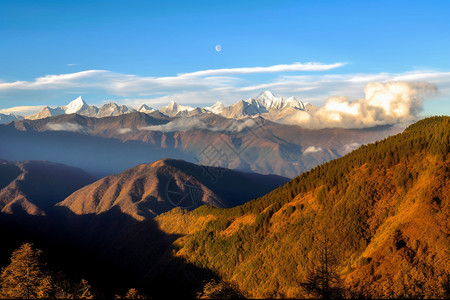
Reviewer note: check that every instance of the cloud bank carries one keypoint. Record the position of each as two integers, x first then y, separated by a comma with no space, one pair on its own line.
384,103
312,149
64,127
180,124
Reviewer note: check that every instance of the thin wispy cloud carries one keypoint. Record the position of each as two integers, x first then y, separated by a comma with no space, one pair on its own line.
22,110
270,69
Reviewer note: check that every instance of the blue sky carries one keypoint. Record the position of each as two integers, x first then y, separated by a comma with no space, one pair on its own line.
134,51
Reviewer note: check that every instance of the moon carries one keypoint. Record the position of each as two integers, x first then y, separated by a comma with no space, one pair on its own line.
218,48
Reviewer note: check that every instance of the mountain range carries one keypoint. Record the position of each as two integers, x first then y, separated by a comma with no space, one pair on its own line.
266,105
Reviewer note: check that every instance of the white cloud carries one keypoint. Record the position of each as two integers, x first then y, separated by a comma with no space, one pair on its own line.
124,130
312,149
64,127
384,103
270,69
350,147
180,124
22,110
237,126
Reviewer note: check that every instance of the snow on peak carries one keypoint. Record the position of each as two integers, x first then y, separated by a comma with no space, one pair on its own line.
294,102
173,106
216,108
76,106
266,95
144,107
269,100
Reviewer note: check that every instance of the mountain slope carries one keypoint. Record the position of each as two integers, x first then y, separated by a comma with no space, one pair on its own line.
150,189
385,208
6,118
33,187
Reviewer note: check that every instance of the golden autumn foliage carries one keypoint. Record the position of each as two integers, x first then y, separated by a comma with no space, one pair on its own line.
385,208
24,277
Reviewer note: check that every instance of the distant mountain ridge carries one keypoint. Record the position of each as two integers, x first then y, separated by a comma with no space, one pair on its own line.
6,118
266,105
79,106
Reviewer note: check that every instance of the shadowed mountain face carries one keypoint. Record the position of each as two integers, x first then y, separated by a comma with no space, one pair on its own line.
112,144
148,190
33,187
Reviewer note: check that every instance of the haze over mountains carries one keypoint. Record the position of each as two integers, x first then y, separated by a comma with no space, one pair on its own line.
33,187
110,145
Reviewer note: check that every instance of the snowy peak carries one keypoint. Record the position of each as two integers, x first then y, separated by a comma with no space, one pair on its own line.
269,100
216,108
173,108
76,106
145,108
294,102
265,105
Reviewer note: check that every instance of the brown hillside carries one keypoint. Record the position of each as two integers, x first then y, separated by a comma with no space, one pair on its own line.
150,189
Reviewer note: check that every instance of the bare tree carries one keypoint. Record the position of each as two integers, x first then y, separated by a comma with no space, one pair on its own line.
321,279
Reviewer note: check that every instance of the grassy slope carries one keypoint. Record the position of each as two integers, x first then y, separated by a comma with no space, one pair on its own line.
385,207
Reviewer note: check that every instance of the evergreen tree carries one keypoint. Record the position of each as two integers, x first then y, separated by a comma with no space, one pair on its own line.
24,277
84,290
133,294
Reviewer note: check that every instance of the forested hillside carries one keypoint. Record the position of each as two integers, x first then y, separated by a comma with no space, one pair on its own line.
381,211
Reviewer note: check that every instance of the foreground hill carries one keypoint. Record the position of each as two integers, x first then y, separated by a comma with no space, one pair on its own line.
33,187
385,209
147,190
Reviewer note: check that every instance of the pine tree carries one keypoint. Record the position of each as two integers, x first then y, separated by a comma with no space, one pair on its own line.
24,277
133,294
84,290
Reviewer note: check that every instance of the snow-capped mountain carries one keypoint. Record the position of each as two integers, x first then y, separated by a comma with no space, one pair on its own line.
217,108
173,109
6,118
79,106
76,106
145,108
265,105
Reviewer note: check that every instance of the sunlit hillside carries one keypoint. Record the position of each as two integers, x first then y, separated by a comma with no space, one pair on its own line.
384,209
